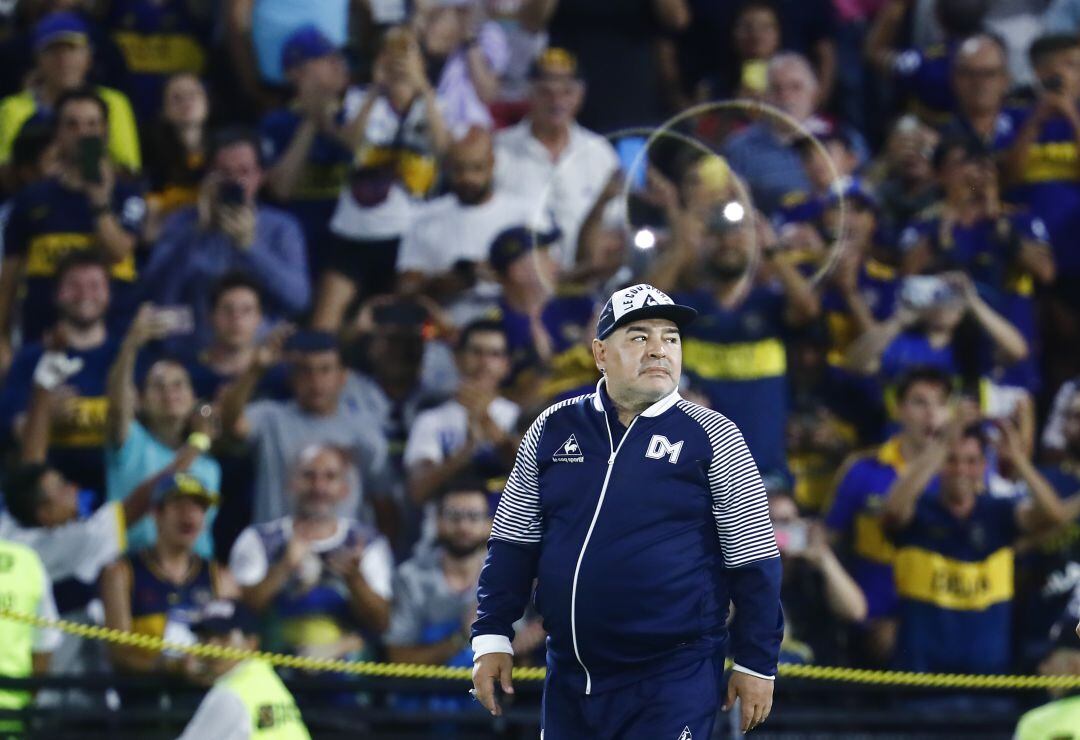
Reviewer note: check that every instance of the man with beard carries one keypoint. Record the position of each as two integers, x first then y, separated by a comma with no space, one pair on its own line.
435,591
735,354
324,577
451,235
79,407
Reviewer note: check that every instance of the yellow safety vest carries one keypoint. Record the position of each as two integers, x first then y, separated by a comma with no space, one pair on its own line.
22,577
273,711
1058,720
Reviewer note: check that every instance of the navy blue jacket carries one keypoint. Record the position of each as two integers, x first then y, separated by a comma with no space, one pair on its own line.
639,538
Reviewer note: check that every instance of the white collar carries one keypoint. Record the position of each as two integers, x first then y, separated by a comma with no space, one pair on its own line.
655,410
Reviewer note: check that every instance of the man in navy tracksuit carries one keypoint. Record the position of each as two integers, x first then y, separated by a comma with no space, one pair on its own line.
641,516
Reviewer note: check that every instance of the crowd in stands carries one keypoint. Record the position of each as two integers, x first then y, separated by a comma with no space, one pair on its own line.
283,284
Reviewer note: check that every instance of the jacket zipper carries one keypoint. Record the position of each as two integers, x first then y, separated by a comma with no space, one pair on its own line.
585,544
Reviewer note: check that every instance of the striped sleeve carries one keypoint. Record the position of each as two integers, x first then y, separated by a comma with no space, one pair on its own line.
739,503
518,517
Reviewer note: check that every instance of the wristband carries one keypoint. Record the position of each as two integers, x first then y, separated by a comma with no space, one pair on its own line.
200,441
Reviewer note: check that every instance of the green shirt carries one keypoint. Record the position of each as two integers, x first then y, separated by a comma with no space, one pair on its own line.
25,588
1058,720
249,701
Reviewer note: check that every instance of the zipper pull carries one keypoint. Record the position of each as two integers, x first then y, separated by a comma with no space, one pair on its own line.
611,460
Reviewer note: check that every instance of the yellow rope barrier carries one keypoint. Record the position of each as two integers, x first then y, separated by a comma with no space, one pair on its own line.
406,670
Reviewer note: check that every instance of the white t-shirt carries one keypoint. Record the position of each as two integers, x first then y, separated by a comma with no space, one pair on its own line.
440,432
445,231
249,562
567,188
77,549
221,716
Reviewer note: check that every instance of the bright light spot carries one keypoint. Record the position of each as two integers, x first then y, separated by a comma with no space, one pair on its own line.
644,239
734,212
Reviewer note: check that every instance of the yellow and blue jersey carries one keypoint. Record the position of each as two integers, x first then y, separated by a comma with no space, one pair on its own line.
568,320
856,514
738,359
954,580
157,39
74,445
877,284
1050,187
48,221
157,603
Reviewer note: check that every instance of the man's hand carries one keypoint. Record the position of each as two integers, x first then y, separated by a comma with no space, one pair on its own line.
54,368
487,671
756,695
295,552
238,223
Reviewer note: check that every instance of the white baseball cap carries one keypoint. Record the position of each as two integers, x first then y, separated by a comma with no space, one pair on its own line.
641,301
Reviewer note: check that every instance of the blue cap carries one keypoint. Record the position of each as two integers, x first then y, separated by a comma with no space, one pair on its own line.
515,242
182,484
60,27
852,188
304,44
641,301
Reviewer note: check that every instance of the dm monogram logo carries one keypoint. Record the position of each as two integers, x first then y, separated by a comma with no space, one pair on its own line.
660,447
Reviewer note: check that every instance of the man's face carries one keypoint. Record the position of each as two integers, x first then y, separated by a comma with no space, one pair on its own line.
317,381
327,73
1065,66
464,522
964,471
64,65
554,101
963,175
980,77
179,521
167,395
859,221
729,251
239,163
321,484
819,164
484,358
77,120
82,296
236,318
1072,427
472,171
793,90
58,500
756,34
536,270
642,360
923,411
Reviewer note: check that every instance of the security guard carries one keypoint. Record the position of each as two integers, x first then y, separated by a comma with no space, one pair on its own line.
641,515
24,587
248,700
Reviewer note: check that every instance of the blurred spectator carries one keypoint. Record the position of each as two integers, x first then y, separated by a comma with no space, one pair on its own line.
755,38
854,517
1053,436
548,329
954,556
550,160
524,45
279,430
398,134
923,331
159,39
904,175
829,161
1004,251
818,595
980,80
229,230
236,318
159,590
82,207
761,153
326,578
446,246
736,354
43,508
255,36
27,648
148,423
307,162
474,431
464,56
175,150
77,416
1039,170
435,591
616,44
240,688
63,57
923,75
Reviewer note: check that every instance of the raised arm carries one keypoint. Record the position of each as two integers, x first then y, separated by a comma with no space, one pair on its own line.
120,387
236,395
903,495
1006,336
52,370
863,356
879,46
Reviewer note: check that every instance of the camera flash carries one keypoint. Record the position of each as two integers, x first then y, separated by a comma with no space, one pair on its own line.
644,239
734,212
